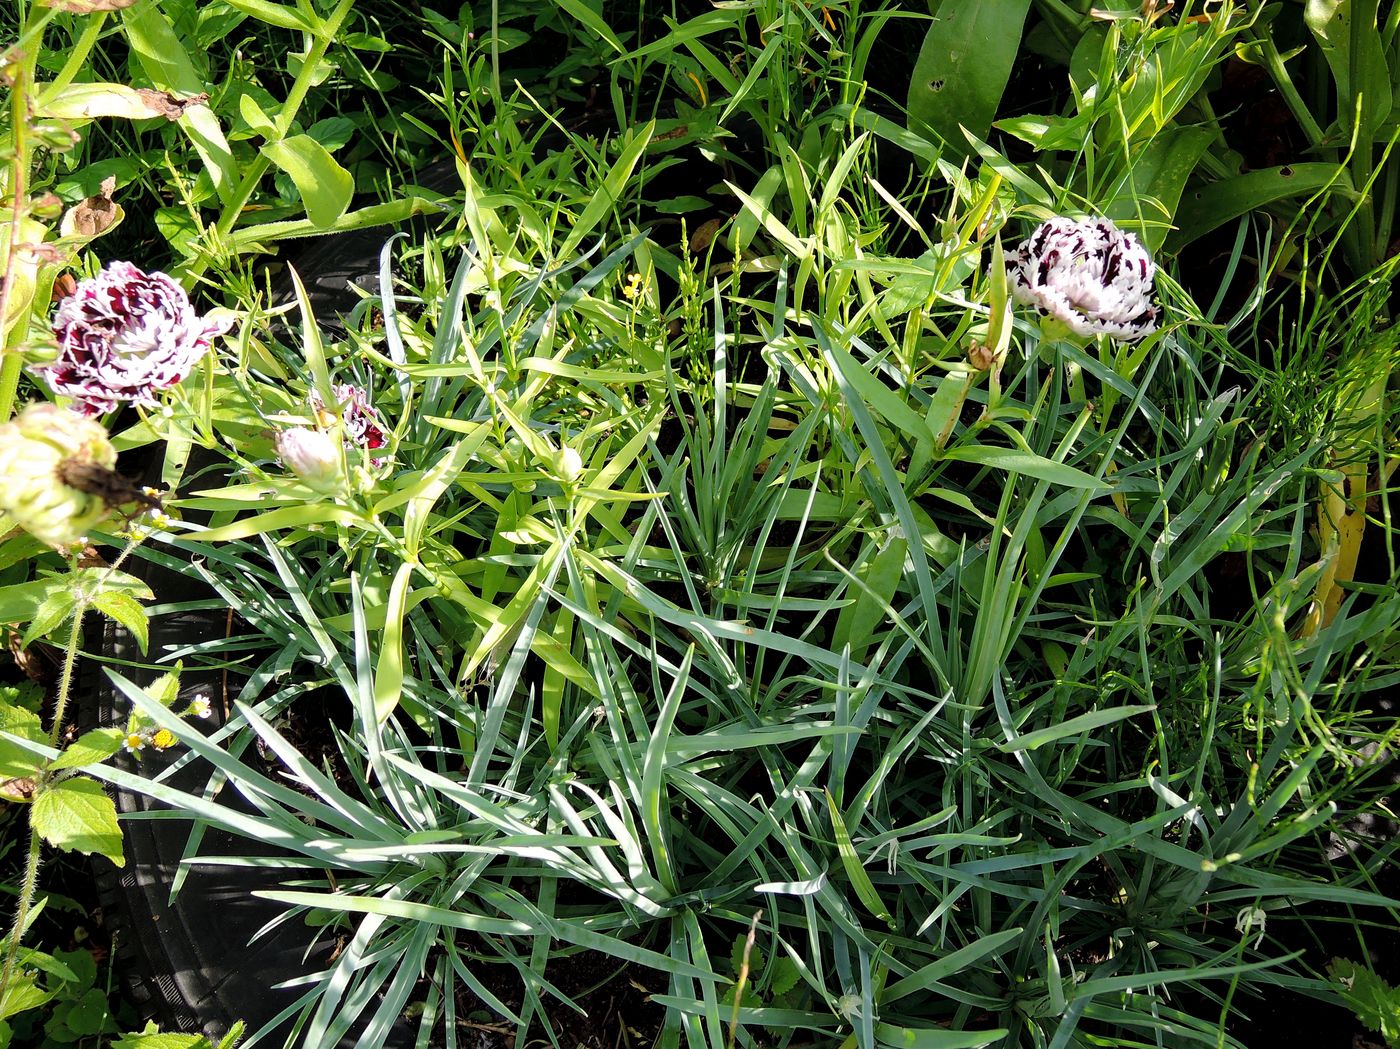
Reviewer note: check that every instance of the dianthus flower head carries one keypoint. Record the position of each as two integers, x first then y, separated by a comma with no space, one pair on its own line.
123,336
1088,275
356,414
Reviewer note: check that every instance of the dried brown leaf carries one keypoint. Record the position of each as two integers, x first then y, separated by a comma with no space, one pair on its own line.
95,215
163,103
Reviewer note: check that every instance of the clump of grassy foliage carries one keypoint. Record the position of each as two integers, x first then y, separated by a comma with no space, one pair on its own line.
749,594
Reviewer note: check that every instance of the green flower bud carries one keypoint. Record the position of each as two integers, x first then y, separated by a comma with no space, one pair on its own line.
315,457
44,452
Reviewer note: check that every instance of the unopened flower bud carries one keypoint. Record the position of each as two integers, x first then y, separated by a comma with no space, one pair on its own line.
42,450
314,457
568,465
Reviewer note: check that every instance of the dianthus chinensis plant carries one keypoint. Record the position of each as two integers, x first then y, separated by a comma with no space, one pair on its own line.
793,584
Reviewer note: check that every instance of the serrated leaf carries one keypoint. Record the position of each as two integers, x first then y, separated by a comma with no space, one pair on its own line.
785,976
166,688
15,761
160,1041
90,748
325,186
50,615
22,995
127,611
234,1036
76,814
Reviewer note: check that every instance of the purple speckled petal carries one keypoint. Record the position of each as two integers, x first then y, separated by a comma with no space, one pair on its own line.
123,336
1090,275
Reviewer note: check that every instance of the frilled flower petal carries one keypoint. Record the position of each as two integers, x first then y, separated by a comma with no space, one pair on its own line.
357,415
123,336
1089,275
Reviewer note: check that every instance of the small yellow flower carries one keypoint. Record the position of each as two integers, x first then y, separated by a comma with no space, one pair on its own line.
164,739
635,282
134,742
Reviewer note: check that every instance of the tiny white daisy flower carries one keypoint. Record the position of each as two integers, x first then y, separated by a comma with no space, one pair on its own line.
134,742
199,707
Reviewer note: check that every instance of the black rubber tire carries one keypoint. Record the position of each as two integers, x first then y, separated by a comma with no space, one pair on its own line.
193,964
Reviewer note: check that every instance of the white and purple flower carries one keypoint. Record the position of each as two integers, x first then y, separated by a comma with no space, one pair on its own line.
124,336
357,415
1088,275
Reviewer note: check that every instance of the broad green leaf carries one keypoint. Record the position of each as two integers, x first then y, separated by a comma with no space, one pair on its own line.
90,748
127,611
936,1037
255,118
963,68
15,761
22,995
77,815
234,1036
56,609
87,101
25,275
279,15
1073,727
88,1014
1159,175
163,58
880,575
1347,32
325,186
1215,204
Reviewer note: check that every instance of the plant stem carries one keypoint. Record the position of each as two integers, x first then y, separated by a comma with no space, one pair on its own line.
26,898
295,97
19,178
78,57
41,779
1273,62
